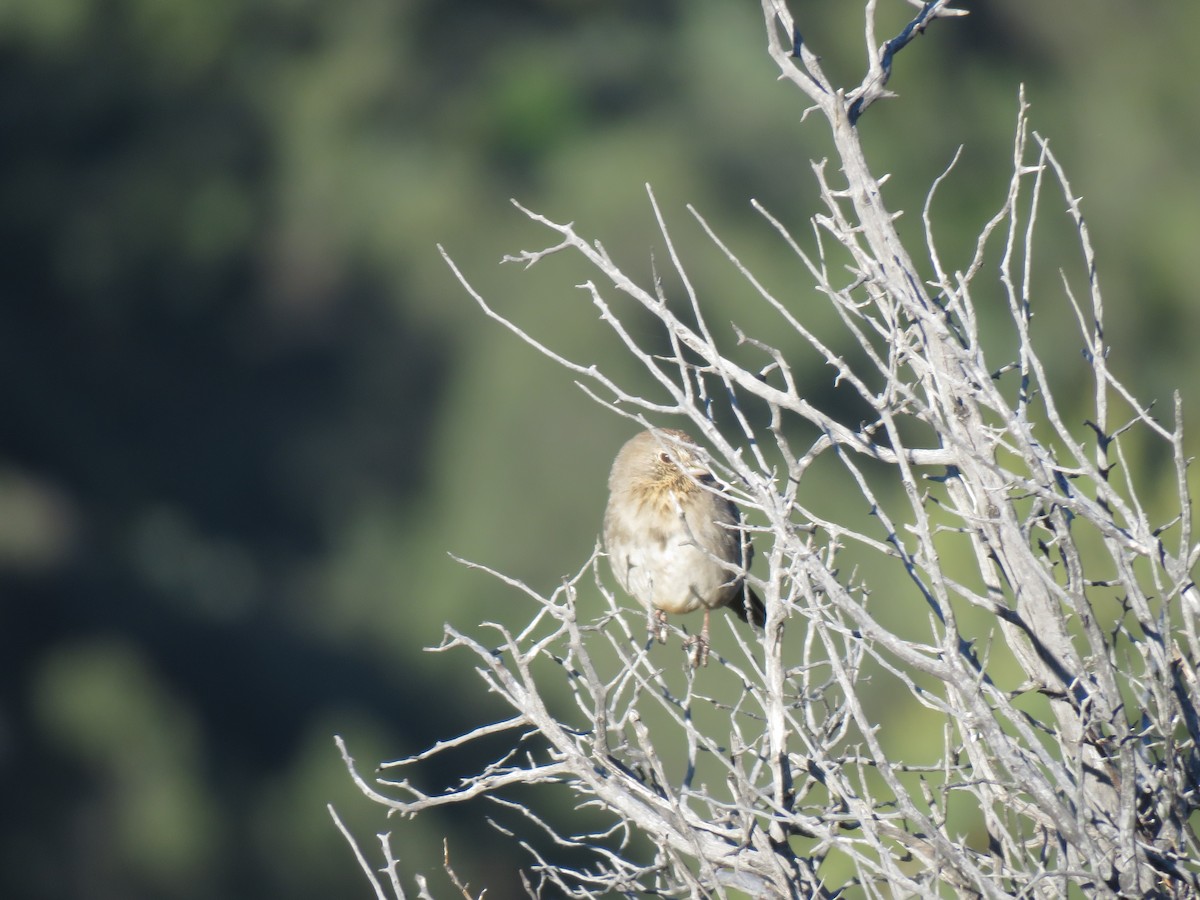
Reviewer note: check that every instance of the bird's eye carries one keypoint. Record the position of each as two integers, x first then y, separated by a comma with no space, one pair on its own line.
665,457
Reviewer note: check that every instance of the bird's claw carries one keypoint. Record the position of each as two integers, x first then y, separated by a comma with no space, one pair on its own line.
698,650
658,626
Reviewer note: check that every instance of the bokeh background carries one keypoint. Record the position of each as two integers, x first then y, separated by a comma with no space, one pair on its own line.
246,412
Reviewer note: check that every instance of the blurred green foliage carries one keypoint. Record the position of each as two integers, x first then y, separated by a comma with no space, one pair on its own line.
247,411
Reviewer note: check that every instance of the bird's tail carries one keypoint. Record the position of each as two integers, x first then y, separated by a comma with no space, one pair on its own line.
749,607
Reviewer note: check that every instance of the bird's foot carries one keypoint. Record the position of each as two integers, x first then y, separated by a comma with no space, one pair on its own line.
697,646
658,626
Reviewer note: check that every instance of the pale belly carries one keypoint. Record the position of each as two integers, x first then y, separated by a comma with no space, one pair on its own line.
676,577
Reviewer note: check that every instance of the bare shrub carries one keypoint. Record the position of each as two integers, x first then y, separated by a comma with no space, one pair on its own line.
1049,640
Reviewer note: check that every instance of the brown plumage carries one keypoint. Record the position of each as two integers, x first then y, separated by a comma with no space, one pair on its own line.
674,544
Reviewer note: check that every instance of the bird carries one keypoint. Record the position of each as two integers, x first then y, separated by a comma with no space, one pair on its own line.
675,544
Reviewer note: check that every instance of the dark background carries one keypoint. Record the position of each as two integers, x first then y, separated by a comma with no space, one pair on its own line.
246,412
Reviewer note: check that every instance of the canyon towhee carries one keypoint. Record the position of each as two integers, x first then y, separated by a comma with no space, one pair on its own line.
674,544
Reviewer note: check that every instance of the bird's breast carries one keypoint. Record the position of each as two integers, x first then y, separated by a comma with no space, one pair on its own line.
656,559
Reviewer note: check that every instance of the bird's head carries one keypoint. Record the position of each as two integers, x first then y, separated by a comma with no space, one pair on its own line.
659,463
